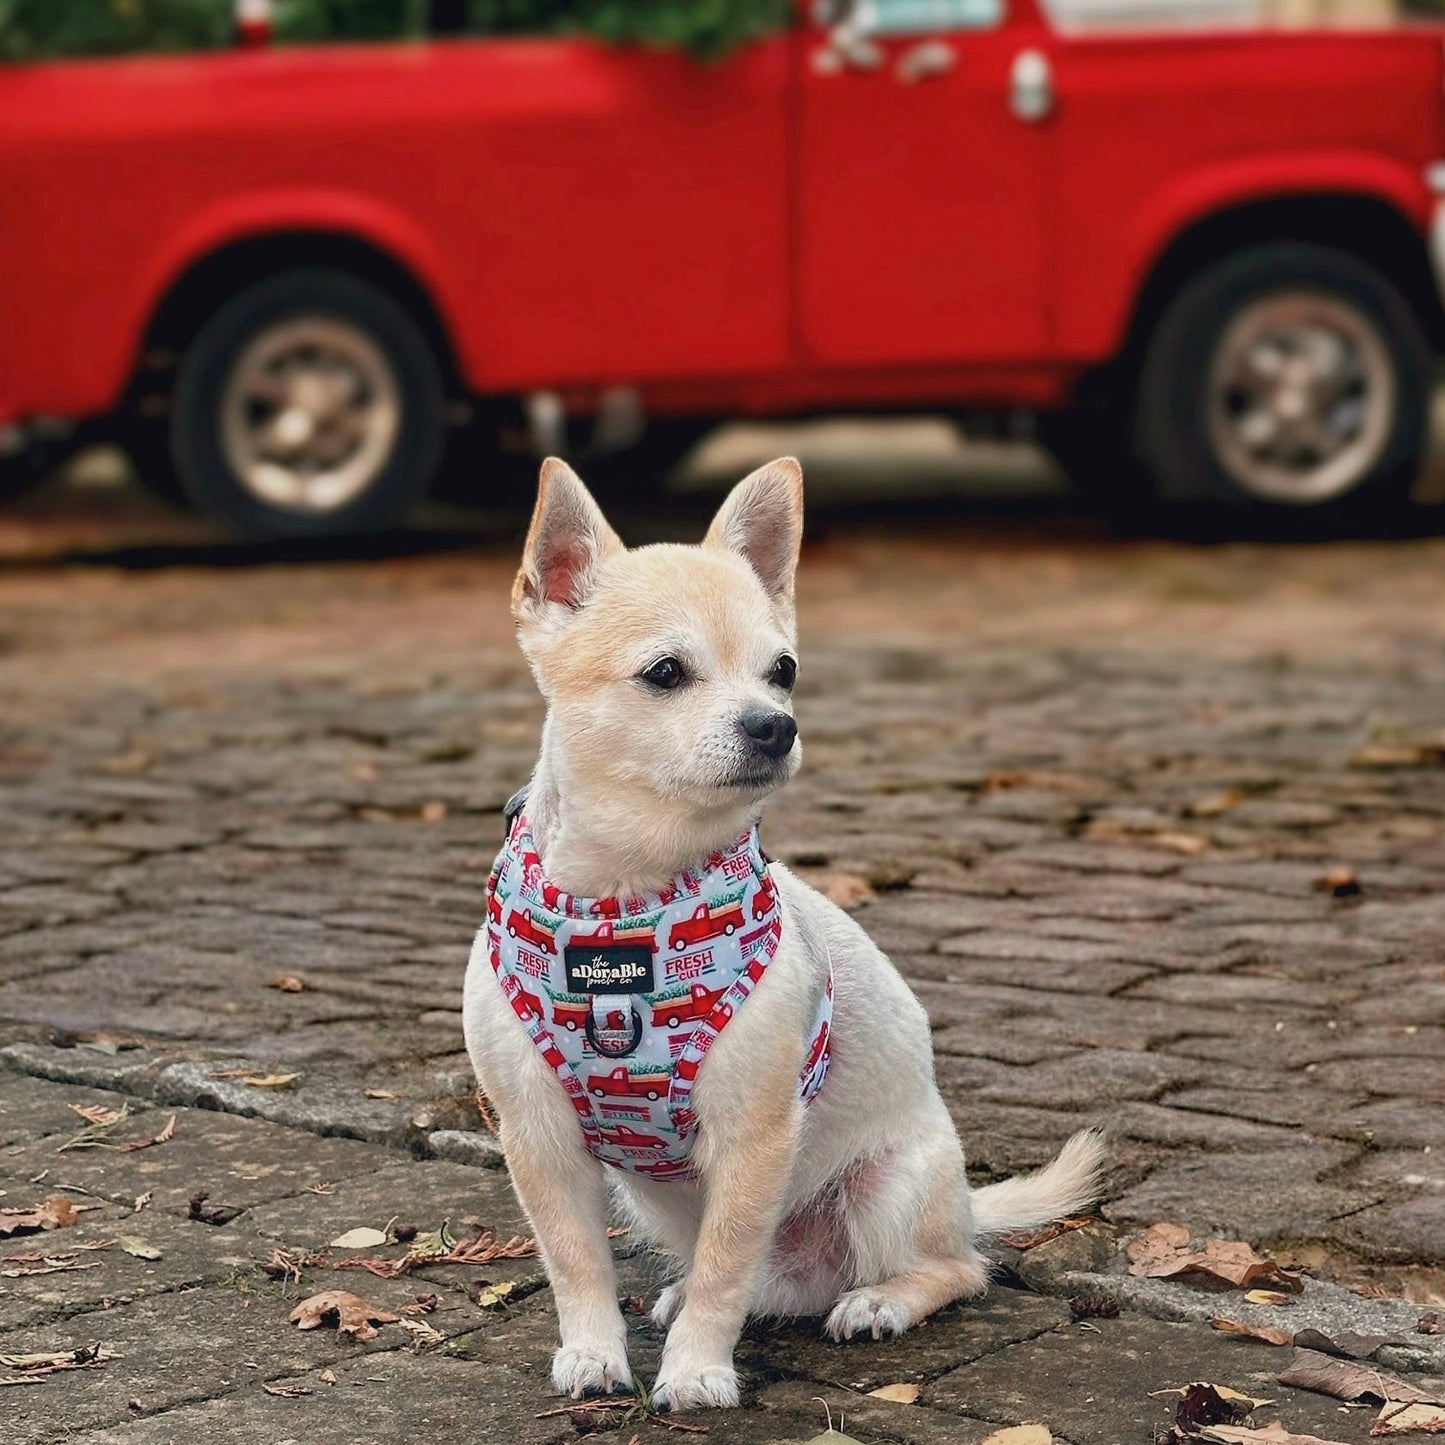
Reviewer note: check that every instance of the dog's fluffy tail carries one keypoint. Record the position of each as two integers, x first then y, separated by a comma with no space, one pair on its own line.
1067,1186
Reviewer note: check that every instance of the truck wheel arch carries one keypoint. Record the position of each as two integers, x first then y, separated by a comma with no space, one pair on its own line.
1374,209
221,254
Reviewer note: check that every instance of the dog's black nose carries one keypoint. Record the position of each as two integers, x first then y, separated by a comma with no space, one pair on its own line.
772,732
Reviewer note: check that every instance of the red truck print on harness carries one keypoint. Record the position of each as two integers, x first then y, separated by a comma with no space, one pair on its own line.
706,922
620,1084
673,1010
520,925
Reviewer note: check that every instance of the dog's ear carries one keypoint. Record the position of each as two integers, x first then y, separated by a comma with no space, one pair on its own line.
762,520
568,537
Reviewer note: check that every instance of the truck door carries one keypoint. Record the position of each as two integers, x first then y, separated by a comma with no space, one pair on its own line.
925,141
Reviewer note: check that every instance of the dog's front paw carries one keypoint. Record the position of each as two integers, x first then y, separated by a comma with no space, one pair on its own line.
669,1304
713,1387
590,1370
866,1312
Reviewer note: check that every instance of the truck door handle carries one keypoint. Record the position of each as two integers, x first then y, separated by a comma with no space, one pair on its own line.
1031,86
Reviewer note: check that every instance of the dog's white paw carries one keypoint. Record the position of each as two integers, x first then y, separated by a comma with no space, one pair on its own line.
590,1370
866,1312
669,1304
713,1387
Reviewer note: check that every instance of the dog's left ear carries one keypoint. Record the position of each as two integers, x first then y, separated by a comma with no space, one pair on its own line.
762,520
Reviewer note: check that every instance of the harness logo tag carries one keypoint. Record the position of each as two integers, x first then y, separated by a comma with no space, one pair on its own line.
618,968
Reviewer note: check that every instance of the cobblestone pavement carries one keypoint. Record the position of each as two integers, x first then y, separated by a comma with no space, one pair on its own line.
1156,832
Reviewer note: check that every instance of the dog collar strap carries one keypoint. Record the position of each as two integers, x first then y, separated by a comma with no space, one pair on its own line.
624,997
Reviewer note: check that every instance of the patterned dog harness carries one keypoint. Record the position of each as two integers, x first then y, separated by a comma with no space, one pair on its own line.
625,996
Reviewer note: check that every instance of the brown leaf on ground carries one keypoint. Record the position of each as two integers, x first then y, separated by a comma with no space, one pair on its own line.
423,1335
56,1213
284,1391
354,1316
287,983
1346,1380
1202,1403
1095,1306
486,1295
901,1394
1165,1251
167,1133
847,890
46,1264
1344,1343
1215,805
1431,1323
1018,1435
1254,1332
269,1081
1267,1297
1111,830
204,1213
1023,1239
1424,1417
97,1114
84,1357
1272,1434
423,1304
1339,883
379,1094
1399,755
362,1237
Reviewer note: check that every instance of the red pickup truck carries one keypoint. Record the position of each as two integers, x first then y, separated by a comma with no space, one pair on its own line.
1207,259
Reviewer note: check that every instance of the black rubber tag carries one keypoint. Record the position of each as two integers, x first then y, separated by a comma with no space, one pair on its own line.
609,968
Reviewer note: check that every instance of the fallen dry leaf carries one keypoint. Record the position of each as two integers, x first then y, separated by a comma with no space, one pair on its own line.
1267,1297
1111,830
269,1081
354,1316
97,1114
204,1213
1022,1239
46,1264
423,1304
1215,805
137,1247
287,983
359,1238
1019,1435
423,1335
1095,1306
1346,1380
1344,1343
380,1094
84,1357
1422,1417
1339,883
167,1133
433,812
1430,1323
901,1394
1399,755
1254,1332
327,1377
1272,1434
56,1213
1165,1251
487,1296
847,890
283,1391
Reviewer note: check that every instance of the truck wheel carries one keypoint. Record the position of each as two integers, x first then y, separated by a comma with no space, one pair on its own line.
310,405
1286,377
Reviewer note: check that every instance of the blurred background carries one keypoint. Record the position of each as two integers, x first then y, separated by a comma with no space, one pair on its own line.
296,272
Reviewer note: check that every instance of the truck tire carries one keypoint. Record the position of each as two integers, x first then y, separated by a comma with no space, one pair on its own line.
1288,377
310,405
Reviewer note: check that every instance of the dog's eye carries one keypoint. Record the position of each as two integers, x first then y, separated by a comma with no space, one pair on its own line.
664,674
784,673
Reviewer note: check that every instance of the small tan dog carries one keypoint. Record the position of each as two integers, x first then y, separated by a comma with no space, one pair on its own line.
668,673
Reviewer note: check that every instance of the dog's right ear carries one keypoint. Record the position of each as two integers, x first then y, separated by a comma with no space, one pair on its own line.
568,537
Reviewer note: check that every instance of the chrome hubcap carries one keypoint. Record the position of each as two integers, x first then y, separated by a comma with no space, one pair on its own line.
1301,397
310,413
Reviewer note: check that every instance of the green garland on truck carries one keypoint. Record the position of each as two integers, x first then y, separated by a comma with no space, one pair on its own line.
45,29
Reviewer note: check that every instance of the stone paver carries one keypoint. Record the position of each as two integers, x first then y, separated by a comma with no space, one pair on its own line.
1094,788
